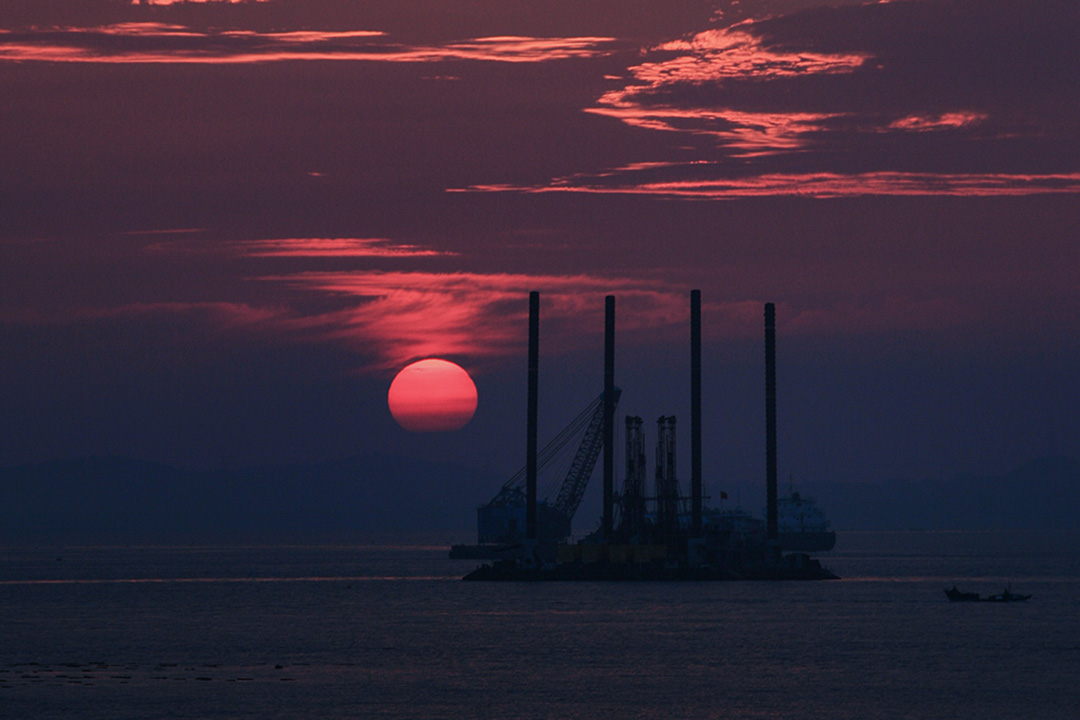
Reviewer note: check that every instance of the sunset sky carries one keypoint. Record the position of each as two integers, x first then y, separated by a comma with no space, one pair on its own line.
225,226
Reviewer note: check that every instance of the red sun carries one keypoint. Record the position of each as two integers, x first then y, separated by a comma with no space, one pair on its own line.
432,395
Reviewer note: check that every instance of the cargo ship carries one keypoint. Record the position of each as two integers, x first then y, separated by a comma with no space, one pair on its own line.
802,525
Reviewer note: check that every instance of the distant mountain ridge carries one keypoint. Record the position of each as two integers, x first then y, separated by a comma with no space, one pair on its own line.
373,497
123,500
1043,494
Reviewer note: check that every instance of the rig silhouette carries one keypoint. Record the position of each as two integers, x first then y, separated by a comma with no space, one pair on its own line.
662,535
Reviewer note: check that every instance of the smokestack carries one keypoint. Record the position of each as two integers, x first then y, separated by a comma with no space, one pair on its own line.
609,416
530,451
770,419
695,410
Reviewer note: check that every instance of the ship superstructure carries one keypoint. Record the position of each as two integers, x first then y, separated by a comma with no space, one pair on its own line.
803,525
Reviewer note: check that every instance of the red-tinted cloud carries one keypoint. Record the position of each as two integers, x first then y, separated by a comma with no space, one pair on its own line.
177,2
944,121
816,185
332,247
151,42
910,98
221,315
397,317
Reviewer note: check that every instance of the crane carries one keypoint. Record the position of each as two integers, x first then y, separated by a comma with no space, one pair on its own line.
502,520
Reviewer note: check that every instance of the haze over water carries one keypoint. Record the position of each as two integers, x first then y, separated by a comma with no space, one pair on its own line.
391,632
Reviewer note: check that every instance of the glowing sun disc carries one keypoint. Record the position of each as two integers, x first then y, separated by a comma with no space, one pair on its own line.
432,395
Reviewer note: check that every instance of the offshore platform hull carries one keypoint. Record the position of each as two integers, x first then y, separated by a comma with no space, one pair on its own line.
792,567
657,562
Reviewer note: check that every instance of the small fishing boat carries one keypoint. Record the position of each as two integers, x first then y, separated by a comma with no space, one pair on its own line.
955,595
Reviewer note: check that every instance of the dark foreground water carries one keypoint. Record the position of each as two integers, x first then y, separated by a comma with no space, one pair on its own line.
390,632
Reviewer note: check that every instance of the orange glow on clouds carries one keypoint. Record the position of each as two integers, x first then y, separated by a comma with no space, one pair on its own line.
945,121
432,395
390,319
686,91
333,247
393,318
219,315
753,133
719,55
734,53
105,45
712,57
523,49
140,29
400,316
815,185
177,2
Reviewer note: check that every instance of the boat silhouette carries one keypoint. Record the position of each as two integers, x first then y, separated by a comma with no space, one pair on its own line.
955,595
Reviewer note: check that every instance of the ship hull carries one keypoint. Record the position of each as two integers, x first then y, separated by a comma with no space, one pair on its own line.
484,551
821,541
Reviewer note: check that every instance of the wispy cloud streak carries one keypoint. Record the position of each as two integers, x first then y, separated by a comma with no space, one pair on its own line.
745,134
945,121
161,43
194,2
814,185
221,315
712,57
333,247
843,102
397,317
402,316
392,317
734,52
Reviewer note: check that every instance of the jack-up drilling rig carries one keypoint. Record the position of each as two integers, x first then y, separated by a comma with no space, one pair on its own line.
666,544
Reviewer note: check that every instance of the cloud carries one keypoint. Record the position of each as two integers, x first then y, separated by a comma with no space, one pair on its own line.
811,185
397,317
387,317
151,42
197,241
333,247
394,318
391,318
944,121
220,315
908,98
744,134
714,57
736,52
193,2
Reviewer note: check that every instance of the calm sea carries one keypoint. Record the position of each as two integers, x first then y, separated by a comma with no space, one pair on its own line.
391,632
